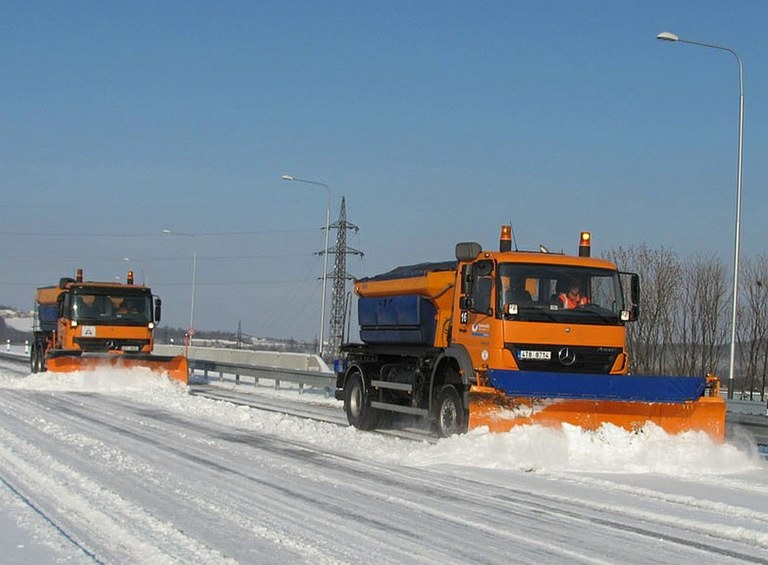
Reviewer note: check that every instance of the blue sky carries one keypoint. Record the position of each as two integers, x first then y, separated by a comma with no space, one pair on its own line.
437,121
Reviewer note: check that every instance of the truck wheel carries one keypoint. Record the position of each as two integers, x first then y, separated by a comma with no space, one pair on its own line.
357,404
34,365
449,412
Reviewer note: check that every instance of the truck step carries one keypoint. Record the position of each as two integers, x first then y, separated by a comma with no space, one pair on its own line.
399,408
407,387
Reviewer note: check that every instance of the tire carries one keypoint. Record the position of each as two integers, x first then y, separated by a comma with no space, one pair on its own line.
450,418
357,404
37,358
34,361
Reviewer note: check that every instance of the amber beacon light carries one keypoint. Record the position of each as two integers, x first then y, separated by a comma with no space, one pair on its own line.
505,239
585,244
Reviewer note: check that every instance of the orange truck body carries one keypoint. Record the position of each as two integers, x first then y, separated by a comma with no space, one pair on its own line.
85,325
487,341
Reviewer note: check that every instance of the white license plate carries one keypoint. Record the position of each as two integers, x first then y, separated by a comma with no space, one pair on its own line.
535,355
130,348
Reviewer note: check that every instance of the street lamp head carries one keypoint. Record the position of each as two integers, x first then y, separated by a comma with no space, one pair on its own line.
288,177
667,36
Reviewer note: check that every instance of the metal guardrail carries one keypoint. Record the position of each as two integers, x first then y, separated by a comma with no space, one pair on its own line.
756,425
14,356
324,381
739,406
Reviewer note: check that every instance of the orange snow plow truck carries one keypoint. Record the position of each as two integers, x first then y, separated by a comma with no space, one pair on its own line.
83,325
500,339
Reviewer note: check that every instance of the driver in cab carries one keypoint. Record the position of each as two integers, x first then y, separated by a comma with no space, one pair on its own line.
572,297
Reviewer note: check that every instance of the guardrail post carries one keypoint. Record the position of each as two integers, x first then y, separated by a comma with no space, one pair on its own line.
237,379
301,388
221,376
277,384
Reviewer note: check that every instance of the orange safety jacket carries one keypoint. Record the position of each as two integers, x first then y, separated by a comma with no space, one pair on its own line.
568,303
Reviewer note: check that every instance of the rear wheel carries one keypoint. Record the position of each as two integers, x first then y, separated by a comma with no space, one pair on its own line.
357,404
449,412
37,357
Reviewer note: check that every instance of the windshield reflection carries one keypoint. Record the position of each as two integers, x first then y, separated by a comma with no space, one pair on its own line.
111,308
530,292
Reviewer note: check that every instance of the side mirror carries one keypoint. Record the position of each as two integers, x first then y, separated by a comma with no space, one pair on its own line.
468,250
633,308
61,310
158,309
635,293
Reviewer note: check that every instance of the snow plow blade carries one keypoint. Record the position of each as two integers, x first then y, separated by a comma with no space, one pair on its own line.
176,367
675,404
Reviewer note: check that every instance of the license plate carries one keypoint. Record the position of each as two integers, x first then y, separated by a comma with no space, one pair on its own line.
130,348
535,355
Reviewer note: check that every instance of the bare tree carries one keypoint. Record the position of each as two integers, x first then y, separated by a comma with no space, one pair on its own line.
649,339
753,327
700,329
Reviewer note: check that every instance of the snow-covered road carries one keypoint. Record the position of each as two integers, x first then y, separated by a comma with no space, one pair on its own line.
123,467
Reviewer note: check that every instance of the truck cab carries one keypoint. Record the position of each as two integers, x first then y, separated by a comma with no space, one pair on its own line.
514,312
106,317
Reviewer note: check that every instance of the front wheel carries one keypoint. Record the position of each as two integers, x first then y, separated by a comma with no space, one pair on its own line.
449,412
33,361
357,404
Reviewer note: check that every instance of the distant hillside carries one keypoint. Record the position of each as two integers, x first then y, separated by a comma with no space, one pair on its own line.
15,325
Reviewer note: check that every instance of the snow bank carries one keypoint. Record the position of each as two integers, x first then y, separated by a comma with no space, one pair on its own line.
529,448
608,450
116,380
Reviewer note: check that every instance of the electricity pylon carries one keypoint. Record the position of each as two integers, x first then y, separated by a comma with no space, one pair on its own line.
339,276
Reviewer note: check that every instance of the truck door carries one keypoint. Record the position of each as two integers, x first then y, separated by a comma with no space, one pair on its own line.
62,323
477,311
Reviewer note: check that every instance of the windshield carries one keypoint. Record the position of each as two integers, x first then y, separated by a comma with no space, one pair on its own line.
118,308
531,292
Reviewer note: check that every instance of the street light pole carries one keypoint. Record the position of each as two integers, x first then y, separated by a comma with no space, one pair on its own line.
325,252
194,276
667,36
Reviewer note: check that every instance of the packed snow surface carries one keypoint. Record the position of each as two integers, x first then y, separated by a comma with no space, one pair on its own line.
122,465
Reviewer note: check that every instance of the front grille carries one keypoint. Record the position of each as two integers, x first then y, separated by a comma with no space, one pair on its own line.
564,358
91,344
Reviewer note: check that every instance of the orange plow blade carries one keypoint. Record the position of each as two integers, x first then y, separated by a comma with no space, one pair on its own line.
501,415
176,367
589,401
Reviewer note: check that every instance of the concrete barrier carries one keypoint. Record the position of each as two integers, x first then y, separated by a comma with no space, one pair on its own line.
276,359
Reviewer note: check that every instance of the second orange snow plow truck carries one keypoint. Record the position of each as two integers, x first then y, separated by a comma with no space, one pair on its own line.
501,339
83,325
